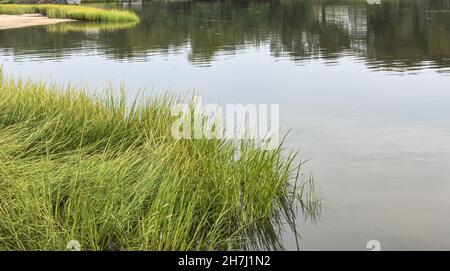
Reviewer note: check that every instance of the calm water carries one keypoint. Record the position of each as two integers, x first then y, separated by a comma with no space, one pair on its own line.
364,88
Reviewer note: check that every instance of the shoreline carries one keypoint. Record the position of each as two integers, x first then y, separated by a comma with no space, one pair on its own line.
27,20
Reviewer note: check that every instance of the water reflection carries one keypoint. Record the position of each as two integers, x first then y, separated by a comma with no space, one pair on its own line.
89,27
399,35
269,234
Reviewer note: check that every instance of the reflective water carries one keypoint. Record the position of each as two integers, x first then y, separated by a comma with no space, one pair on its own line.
364,88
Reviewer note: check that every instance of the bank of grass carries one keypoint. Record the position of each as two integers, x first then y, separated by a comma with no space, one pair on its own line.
89,26
70,12
107,173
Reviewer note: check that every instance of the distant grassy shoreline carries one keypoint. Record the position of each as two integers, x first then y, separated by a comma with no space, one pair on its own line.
108,173
86,26
70,12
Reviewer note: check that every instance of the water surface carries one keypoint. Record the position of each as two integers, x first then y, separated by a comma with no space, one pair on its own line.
365,90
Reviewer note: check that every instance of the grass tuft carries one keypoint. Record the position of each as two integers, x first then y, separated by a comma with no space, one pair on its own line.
107,173
89,26
71,12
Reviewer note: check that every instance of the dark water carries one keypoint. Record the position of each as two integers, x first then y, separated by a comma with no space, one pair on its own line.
364,88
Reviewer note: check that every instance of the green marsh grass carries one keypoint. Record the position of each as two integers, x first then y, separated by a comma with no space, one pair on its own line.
106,172
71,12
89,26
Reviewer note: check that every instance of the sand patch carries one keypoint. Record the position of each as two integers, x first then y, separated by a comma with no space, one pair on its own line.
26,20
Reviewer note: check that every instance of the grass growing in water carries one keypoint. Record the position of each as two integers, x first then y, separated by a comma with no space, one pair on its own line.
89,26
71,12
109,174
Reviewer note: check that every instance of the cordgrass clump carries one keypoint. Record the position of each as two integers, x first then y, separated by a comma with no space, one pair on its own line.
71,12
89,26
108,174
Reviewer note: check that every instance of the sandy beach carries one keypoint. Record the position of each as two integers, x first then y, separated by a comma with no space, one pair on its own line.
26,20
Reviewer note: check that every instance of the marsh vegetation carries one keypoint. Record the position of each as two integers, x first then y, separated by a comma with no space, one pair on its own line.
71,12
107,172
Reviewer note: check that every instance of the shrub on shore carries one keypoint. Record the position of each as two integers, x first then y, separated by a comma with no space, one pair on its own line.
71,12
